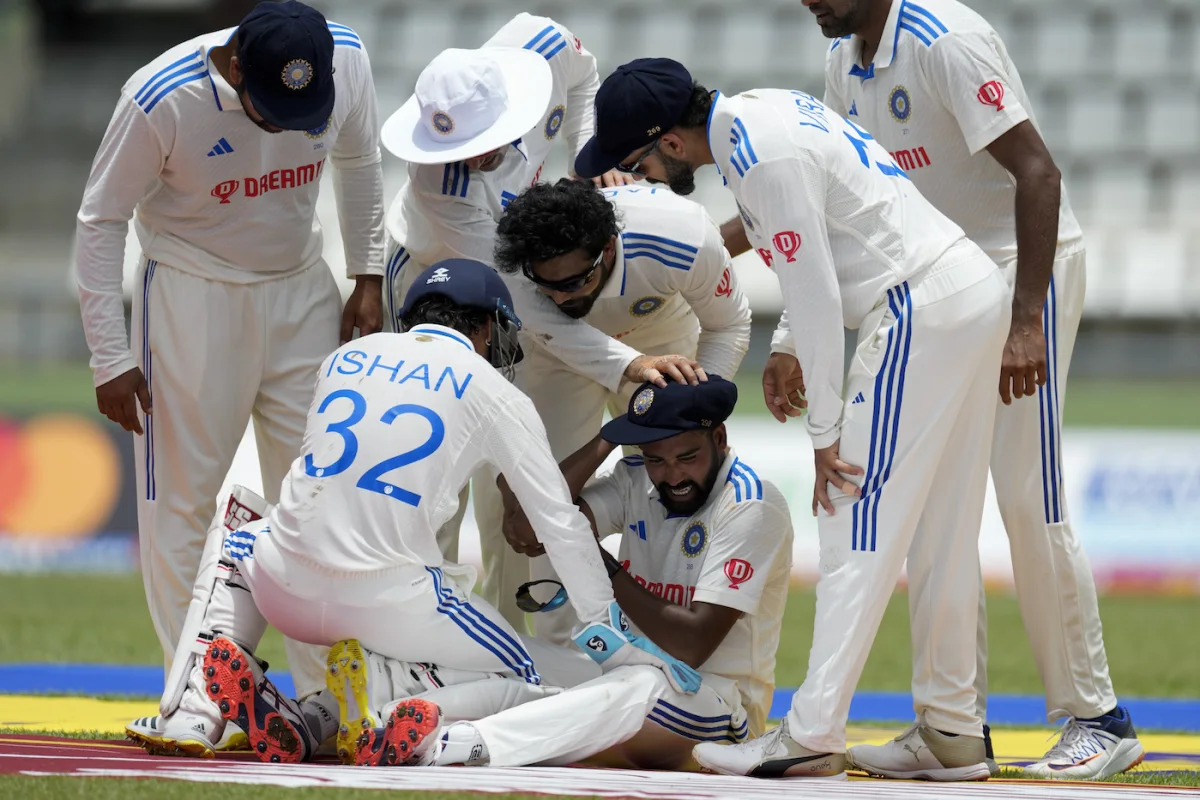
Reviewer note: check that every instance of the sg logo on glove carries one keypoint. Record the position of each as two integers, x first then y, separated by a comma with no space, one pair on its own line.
596,643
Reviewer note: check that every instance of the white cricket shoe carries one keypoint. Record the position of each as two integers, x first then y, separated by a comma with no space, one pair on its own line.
922,753
1092,749
775,754
462,743
159,739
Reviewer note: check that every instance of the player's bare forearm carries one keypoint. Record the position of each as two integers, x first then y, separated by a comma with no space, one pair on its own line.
734,234
581,465
689,634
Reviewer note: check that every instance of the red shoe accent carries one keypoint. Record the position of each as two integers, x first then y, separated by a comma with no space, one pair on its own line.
232,686
409,739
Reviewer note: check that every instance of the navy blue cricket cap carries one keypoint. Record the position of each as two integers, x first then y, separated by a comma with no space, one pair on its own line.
286,53
465,281
635,105
656,413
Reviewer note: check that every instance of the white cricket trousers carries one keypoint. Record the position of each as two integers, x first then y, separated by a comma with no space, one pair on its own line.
1055,589
607,711
410,612
920,406
215,356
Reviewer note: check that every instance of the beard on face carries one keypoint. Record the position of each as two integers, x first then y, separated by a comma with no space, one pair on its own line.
834,26
578,307
700,494
680,177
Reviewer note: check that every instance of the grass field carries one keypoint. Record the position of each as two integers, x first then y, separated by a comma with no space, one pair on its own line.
1093,402
103,619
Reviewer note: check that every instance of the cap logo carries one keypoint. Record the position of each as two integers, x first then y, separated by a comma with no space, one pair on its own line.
657,129
297,74
440,275
707,423
442,123
319,131
641,403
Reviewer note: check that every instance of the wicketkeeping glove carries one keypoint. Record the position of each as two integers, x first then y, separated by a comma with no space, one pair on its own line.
612,644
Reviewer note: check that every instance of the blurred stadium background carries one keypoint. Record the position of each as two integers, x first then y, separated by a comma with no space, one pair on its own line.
1116,88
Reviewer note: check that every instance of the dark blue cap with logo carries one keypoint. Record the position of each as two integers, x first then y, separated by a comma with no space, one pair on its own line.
635,105
286,54
465,281
656,413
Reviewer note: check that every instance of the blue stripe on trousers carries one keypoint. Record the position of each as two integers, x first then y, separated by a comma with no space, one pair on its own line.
906,312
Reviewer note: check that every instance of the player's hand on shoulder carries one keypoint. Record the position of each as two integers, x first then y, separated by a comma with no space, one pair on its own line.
612,643
1023,367
659,369
783,386
364,308
614,177
119,398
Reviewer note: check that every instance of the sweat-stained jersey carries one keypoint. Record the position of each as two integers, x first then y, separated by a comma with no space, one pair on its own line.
672,273
839,222
736,551
398,423
215,196
940,90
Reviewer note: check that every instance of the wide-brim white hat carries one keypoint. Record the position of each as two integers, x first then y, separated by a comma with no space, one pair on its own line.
469,102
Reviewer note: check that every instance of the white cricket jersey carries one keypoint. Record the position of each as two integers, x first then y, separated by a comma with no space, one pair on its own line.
398,424
213,194
840,223
672,273
449,211
736,551
940,90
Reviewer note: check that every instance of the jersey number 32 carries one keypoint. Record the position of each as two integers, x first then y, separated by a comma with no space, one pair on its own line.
370,479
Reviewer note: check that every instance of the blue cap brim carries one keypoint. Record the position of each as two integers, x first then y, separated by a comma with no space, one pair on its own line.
593,162
622,431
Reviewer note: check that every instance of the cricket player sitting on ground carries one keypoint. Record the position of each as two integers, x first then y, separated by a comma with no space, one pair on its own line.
397,425
637,263
855,246
475,134
935,85
702,571
216,149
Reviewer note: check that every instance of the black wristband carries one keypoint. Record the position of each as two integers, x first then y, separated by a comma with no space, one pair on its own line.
610,563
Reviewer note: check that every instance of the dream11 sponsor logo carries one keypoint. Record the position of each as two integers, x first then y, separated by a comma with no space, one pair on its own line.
289,178
991,94
738,571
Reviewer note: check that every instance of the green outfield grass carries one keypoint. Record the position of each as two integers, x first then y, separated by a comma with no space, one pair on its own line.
103,619
1090,401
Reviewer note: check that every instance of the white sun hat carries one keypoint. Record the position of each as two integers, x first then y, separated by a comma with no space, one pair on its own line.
469,102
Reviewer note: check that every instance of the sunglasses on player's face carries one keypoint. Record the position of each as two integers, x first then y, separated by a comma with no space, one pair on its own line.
566,285
636,167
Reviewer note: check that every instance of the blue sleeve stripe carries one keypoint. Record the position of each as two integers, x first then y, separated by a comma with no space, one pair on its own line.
446,178
754,485
734,479
337,27
466,180
633,461
451,184
650,254
649,237
917,32
347,42
556,50
914,9
745,140
197,76
533,42
545,46
918,22
174,71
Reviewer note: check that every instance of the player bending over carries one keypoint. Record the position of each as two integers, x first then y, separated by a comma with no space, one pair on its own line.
703,572
397,425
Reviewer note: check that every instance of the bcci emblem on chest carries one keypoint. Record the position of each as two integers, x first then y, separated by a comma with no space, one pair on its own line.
694,539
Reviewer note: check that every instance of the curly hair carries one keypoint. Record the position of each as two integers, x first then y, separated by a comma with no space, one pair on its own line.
546,220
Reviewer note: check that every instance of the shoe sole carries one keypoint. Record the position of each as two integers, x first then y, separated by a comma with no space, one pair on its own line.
231,685
410,733
1123,760
346,679
974,772
161,746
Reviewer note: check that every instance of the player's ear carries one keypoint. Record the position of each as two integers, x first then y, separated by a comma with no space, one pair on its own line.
719,437
235,71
